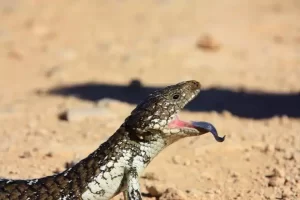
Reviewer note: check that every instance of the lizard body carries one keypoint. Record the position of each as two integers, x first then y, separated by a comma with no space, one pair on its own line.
117,164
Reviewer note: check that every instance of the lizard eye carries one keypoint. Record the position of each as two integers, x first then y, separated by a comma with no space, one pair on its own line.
175,96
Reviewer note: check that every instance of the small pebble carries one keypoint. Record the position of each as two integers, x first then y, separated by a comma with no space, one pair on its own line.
206,175
173,194
279,172
287,191
276,181
55,71
187,163
176,159
50,154
15,55
207,43
259,146
288,155
155,190
150,176
270,148
79,114
234,174
26,154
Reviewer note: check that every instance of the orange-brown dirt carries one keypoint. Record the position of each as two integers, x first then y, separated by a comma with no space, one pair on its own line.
68,54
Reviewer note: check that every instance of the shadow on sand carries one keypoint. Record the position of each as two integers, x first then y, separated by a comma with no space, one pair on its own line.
255,105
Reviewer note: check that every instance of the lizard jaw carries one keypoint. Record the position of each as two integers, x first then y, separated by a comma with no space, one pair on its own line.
177,123
202,127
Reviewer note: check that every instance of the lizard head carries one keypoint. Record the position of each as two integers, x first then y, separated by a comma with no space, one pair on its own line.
158,113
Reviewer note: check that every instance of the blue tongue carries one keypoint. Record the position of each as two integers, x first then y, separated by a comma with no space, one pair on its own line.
210,128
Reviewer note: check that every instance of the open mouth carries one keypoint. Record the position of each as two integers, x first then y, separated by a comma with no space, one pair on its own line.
202,127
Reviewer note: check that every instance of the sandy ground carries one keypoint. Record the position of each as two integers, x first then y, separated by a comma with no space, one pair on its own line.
59,55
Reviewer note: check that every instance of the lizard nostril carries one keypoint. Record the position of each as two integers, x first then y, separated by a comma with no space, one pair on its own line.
195,84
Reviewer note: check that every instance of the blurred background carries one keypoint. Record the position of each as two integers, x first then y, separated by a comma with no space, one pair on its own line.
72,70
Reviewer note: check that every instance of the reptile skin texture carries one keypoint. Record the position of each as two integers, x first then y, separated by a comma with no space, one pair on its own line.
117,164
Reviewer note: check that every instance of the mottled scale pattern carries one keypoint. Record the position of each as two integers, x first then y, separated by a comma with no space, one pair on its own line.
116,165
70,183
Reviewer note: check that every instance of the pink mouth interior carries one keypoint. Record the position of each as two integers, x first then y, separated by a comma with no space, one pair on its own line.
203,127
177,123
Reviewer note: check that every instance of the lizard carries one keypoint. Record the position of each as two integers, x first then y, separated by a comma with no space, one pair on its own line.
116,165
